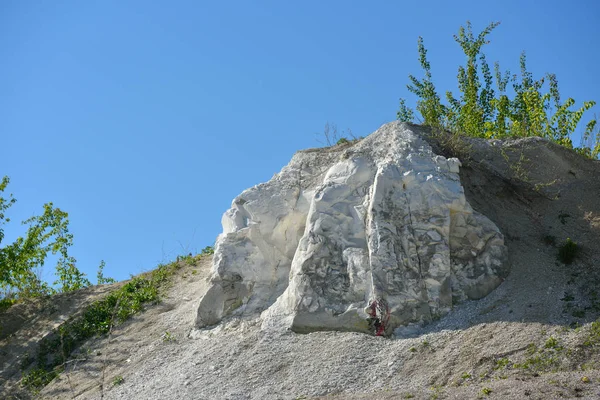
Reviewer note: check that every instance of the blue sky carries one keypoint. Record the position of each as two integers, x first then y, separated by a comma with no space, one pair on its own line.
143,120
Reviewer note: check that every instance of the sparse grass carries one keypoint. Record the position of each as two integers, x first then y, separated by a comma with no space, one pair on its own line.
7,303
542,360
36,378
587,366
333,137
168,337
486,391
561,351
593,336
538,363
568,251
552,343
97,319
437,390
501,363
208,250
118,380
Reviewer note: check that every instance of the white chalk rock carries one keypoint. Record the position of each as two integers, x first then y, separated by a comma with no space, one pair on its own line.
364,237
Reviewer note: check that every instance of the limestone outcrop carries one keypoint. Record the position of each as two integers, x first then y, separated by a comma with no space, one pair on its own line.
361,237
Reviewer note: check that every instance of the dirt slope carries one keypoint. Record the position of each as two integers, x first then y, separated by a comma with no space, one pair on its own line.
530,338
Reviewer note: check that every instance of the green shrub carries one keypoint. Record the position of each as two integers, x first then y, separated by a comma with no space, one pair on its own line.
100,278
47,234
168,337
37,378
208,250
7,303
568,251
552,343
594,334
342,140
484,108
501,363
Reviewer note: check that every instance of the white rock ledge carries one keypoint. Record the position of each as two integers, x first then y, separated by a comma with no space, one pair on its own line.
364,237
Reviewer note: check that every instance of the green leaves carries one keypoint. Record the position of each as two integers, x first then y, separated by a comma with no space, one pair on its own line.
484,109
46,234
208,250
429,105
405,114
101,279
5,204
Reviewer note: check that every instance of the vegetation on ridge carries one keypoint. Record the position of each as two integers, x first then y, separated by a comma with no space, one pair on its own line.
98,319
48,234
485,110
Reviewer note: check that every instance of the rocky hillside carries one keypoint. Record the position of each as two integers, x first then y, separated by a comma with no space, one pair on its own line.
536,335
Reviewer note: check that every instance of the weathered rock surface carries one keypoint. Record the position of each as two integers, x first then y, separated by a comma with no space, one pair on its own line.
364,237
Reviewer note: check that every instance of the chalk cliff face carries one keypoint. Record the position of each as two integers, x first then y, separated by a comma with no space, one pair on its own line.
364,237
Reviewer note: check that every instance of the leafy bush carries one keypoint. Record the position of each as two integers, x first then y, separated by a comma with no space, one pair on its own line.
593,338
6,303
486,110
568,251
208,250
101,279
37,378
552,343
47,234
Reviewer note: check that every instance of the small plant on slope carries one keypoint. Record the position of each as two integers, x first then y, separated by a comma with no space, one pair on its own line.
208,250
101,279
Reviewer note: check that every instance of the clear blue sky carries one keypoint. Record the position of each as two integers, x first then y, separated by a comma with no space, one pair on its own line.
143,120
